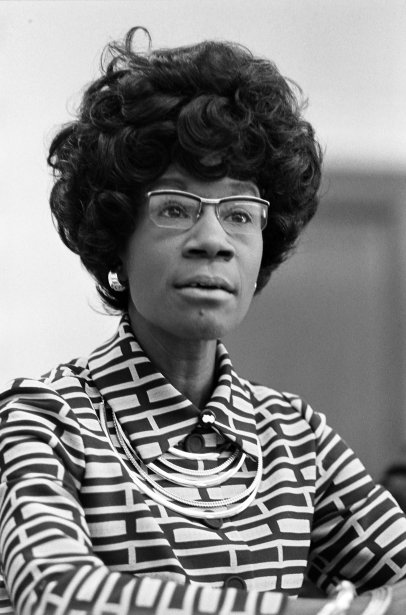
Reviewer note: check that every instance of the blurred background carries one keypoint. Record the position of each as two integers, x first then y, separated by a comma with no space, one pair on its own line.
331,325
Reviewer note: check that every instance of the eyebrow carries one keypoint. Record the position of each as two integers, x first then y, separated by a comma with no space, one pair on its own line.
166,181
242,186
177,183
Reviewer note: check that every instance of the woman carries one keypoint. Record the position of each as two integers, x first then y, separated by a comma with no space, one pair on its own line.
149,477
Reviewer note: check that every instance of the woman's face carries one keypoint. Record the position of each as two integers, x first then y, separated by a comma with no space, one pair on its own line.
196,283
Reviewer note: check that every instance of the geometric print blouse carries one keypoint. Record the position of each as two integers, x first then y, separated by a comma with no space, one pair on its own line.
77,534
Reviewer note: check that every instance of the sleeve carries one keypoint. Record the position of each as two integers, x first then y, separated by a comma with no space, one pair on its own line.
46,550
359,531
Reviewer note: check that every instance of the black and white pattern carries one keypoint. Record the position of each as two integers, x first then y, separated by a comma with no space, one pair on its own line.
78,535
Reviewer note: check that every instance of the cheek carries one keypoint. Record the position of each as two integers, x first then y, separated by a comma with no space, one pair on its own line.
250,270
139,259
140,271
145,279
147,294
253,262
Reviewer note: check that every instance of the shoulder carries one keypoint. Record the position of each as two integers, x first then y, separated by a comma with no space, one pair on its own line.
285,408
43,419
291,420
56,392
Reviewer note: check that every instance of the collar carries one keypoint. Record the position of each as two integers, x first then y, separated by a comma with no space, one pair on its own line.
155,415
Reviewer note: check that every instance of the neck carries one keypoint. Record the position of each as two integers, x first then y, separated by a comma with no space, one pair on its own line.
189,365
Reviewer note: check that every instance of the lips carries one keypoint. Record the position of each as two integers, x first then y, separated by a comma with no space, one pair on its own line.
206,282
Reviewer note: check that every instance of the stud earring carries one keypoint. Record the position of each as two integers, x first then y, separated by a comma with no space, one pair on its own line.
115,283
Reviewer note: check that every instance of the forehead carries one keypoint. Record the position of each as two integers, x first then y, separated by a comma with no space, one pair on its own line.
176,178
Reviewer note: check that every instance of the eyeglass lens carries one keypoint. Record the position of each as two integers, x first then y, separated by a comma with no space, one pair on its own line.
180,211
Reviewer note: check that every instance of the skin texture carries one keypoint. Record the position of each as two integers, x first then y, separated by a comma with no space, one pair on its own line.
178,325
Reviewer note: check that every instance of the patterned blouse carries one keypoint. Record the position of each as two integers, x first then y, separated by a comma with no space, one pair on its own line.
80,534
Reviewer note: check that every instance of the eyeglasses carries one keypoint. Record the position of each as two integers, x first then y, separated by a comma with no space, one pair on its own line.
245,215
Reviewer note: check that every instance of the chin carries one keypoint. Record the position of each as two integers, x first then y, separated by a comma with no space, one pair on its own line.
206,328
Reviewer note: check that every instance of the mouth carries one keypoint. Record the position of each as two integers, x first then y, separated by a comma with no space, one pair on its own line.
207,283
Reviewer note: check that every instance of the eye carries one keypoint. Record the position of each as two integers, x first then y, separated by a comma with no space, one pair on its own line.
239,216
173,209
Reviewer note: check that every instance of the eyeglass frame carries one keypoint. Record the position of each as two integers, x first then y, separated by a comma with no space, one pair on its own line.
215,202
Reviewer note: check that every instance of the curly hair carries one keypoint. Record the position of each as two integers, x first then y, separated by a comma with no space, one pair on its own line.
210,101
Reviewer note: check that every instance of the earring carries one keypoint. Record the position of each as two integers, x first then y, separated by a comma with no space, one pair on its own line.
115,283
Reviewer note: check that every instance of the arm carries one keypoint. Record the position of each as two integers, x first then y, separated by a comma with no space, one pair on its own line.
358,531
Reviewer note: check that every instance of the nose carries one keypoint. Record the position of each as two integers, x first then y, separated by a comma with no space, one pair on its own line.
208,239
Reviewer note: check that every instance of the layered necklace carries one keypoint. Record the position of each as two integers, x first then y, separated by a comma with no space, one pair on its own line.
148,478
